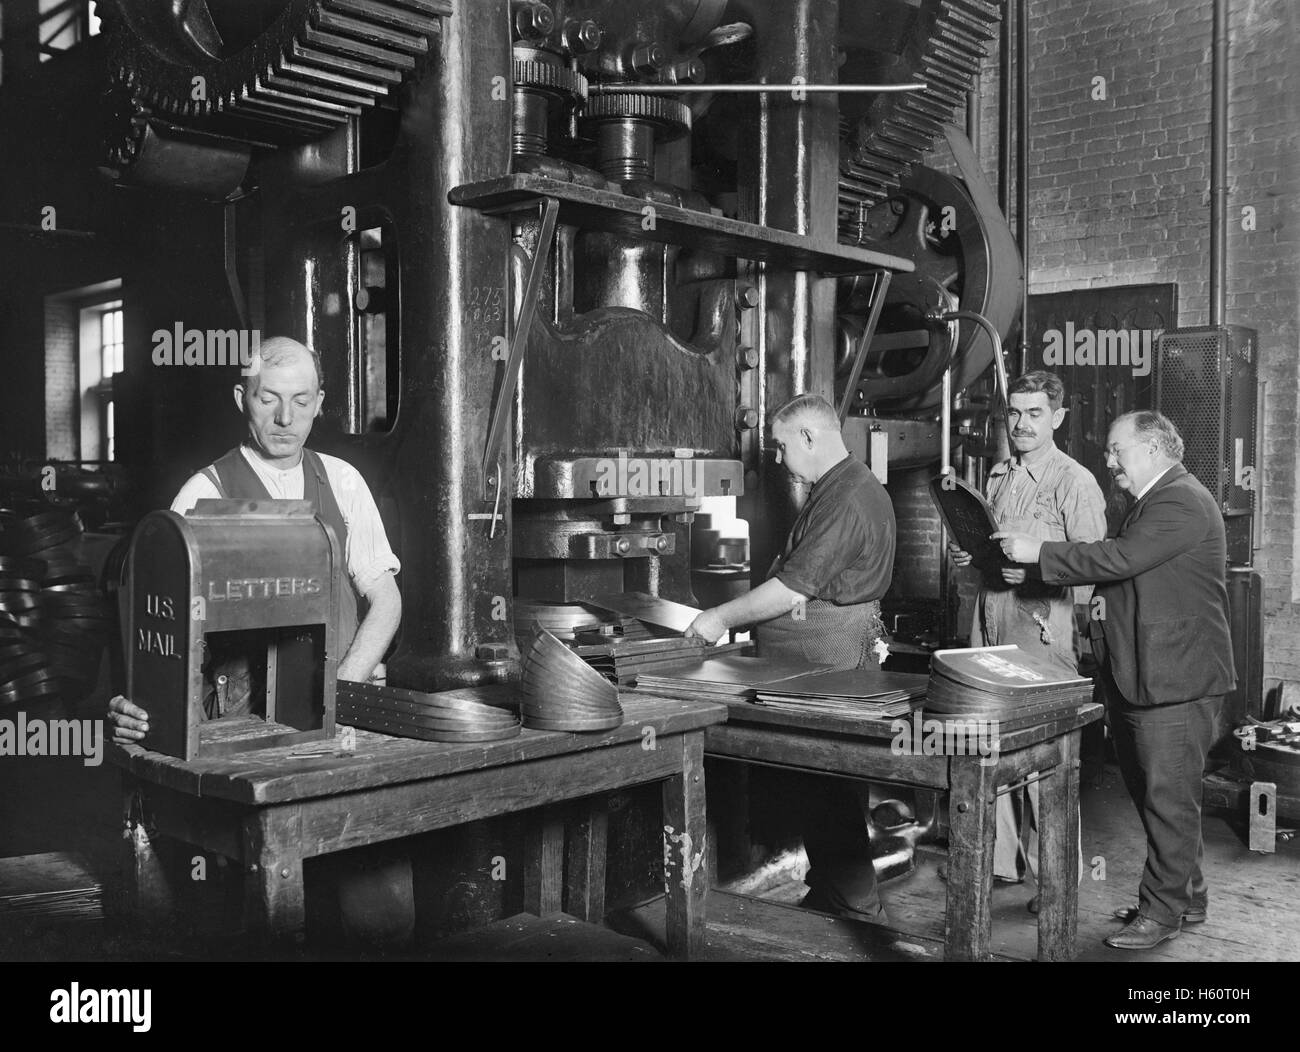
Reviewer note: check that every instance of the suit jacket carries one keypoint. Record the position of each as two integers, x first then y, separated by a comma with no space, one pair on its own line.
1162,578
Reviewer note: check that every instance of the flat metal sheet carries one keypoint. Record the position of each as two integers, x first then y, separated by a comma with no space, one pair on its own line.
854,685
663,613
733,674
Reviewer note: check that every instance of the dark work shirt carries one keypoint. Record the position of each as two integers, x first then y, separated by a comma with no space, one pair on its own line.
841,548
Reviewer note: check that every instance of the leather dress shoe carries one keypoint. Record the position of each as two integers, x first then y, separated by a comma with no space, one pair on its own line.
1143,933
1196,914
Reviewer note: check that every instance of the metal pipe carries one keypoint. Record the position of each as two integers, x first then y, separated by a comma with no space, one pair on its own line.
973,114
945,425
620,88
1005,104
1022,170
999,366
1219,167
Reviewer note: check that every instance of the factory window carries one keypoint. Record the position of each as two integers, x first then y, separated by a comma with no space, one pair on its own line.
110,363
377,375
64,24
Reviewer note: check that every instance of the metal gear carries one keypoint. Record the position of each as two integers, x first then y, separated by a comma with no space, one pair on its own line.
943,49
671,117
247,74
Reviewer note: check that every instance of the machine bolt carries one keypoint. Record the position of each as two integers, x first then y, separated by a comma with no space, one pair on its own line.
622,518
963,807
623,545
691,71
649,59
285,872
583,36
492,652
534,20
747,296
661,544
746,418
747,357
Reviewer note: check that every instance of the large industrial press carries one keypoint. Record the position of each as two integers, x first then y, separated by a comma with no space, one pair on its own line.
531,241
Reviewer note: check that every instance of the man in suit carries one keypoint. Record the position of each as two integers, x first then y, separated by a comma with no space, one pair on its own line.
1161,637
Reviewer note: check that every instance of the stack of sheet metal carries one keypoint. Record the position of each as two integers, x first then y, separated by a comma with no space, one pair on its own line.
858,693
472,714
731,675
1001,683
559,691
623,659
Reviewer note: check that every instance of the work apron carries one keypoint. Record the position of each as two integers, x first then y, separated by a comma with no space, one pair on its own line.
833,824
822,633
231,681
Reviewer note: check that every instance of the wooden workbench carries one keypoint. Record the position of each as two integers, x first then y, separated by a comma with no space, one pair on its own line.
822,744
269,809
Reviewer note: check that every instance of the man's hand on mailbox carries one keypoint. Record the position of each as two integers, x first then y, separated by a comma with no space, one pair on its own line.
130,722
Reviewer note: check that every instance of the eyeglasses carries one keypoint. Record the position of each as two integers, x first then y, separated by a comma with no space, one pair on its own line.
1115,451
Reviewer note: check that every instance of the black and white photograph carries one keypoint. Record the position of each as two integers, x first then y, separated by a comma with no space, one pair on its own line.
504,482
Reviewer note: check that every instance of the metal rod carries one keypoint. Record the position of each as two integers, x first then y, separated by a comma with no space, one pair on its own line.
973,114
699,89
860,358
1219,167
527,308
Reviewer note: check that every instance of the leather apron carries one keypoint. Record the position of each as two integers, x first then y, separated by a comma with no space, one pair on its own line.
232,682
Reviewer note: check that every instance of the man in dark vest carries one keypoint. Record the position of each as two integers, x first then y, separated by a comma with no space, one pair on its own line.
280,401
820,604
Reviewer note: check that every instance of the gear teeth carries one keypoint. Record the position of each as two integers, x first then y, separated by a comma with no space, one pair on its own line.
898,132
319,64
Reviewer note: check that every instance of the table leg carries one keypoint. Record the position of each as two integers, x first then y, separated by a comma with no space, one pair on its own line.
544,861
1058,855
586,870
686,881
150,872
968,926
274,903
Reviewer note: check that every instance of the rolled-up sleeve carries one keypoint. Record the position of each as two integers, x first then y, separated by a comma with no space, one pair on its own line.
369,555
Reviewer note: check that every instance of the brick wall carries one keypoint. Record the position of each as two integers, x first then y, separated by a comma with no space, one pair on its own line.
916,562
62,415
1119,194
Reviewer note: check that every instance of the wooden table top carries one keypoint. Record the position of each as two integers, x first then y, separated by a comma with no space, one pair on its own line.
320,768
743,711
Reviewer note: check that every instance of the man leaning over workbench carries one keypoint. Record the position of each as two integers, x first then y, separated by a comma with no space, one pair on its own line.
1044,493
820,604
280,401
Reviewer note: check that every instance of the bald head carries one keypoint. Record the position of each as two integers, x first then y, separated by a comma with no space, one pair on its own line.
280,398
282,351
